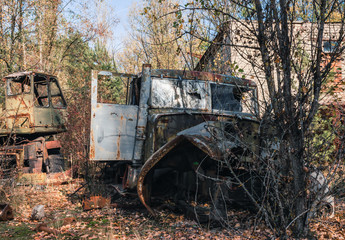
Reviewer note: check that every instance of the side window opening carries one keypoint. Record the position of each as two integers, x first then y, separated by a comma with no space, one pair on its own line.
2,95
18,85
56,95
41,91
329,46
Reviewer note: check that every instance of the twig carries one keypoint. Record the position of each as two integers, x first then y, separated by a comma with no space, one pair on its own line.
82,186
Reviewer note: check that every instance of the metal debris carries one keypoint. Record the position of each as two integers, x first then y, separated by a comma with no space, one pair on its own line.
45,228
95,202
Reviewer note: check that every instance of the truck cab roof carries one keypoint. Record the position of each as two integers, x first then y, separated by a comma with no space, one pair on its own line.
205,76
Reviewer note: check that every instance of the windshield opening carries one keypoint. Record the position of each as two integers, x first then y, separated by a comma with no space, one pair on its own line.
18,85
227,97
41,91
202,95
175,93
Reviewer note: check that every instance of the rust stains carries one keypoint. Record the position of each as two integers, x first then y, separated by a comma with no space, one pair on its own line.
206,76
92,146
149,164
118,153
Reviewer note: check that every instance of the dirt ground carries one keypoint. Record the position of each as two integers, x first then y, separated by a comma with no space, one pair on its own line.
66,219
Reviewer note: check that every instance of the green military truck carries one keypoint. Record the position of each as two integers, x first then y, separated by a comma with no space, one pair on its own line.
32,113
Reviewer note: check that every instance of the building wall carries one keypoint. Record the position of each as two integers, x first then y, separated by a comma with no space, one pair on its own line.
240,55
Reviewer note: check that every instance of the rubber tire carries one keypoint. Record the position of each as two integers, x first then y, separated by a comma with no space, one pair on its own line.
56,163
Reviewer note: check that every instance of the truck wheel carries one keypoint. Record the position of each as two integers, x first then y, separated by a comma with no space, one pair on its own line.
56,163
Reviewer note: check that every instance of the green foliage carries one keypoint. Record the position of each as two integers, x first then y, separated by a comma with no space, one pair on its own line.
236,70
2,95
112,90
324,136
81,59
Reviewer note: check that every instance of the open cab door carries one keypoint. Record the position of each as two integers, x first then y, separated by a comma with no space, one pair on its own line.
113,125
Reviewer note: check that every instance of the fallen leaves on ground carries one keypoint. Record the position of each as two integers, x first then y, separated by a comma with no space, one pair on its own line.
65,219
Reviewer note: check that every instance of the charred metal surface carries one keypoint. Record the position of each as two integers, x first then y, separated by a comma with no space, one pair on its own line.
186,125
185,94
152,161
216,139
131,178
205,76
166,126
142,115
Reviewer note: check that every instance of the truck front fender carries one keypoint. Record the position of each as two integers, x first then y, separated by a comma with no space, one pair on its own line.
200,137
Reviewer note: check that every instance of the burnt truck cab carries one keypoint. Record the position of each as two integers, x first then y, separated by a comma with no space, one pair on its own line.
33,111
33,104
176,131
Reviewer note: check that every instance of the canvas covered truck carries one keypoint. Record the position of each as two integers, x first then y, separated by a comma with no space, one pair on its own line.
32,113
176,133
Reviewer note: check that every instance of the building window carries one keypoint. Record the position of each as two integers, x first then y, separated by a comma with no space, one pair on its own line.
329,46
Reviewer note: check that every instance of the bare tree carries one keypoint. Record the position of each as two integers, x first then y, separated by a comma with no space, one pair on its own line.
283,46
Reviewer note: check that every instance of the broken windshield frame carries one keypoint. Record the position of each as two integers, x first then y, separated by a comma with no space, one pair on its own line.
178,93
41,91
231,98
202,95
18,85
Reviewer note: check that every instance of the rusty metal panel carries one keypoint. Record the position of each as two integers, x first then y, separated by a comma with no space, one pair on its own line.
53,144
207,76
43,117
19,112
113,132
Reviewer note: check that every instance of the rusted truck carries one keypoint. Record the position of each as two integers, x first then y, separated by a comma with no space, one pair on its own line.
178,134
32,113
